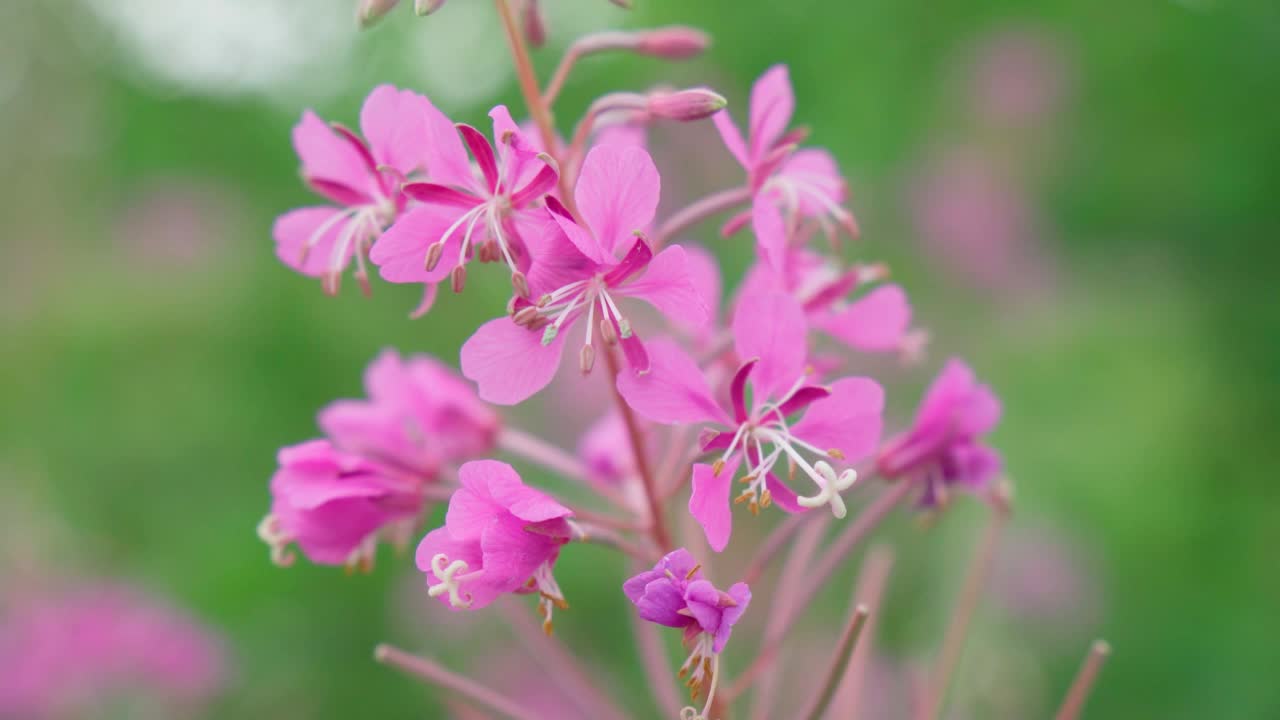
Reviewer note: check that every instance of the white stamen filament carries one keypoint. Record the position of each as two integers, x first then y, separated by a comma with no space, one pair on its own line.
495,228
624,327
447,573
466,237
325,227
702,662
270,532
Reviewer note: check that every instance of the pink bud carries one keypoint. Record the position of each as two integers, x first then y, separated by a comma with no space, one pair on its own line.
685,105
672,43
535,25
426,7
369,12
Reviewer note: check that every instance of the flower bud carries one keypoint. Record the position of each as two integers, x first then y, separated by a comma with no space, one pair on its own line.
685,105
672,43
369,12
426,7
535,25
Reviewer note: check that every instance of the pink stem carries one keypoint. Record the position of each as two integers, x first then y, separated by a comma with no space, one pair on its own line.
597,535
698,211
839,663
872,580
771,546
437,675
1083,684
537,450
966,606
657,522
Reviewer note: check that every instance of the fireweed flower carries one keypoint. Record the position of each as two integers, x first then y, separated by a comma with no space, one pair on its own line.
943,449
838,422
675,594
499,536
465,213
419,413
788,185
576,274
334,505
361,177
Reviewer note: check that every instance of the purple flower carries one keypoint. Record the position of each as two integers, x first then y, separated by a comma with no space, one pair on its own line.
576,274
419,413
840,422
788,184
334,505
499,536
943,449
675,594
361,177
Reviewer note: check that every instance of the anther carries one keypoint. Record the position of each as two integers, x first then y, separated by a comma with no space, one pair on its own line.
525,316
717,467
434,253
586,359
608,333
520,283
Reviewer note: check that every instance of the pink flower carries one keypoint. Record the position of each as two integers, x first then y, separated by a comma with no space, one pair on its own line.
605,449
419,413
463,216
334,505
576,273
840,423
499,536
67,654
360,177
675,594
789,185
878,320
943,448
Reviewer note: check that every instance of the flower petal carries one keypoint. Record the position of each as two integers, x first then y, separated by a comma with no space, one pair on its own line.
617,193
667,285
771,231
401,252
771,327
848,420
327,156
395,124
305,239
772,103
709,502
673,391
509,363
732,137
876,322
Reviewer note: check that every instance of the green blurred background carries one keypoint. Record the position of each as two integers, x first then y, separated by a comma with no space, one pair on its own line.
1106,262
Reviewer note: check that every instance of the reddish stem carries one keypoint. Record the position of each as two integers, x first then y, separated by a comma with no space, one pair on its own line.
657,525
1080,687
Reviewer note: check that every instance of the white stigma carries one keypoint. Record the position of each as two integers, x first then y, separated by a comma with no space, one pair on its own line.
830,486
447,573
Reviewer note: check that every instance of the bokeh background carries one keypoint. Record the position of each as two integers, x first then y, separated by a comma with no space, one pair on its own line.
1079,196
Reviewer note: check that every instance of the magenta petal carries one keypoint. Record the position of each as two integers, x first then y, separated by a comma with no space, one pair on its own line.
956,391
479,585
318,227
741,594
328,156
512,554
703,599
771,231
395,124
803,398
509,363
704,273
506,489
578,235
709,503
617,193
673,391
771,327
876,322
661,602
634,351
541,184
436,194
482,151
849,420
772,103
738,389
732,137
667,285
556,260
401,252
782,494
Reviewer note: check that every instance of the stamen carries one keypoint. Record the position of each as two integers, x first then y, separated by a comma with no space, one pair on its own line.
447,573
270,532
520,283
458,278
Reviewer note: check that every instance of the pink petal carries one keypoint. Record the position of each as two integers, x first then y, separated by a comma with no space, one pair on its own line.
709,503
876,322
401,252
318,227
617,193
581,238
771,327
482,151
513,553
816,168
437,194
518,155
328,156
507,490
446,159
478,584
771,231
556,260
782,495
704,273
673,391
395,123
667,285
849,420
509,363
732,137
955,399
772,103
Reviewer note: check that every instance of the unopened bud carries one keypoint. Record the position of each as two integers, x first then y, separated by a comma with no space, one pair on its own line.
586,359
426,7
535,26
672,43
369,12
458,278
685,105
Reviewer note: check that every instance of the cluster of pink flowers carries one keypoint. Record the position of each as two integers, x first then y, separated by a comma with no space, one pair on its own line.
760,398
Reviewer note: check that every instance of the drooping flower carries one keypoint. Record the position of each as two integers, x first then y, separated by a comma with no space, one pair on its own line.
465,214
500,536
360,177
419,413
838,422
576,273
70,653
334,506
676,594
944,449
788,185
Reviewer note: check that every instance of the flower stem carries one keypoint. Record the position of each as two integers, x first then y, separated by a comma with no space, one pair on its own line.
698,211
839,661
657,525
771,546
656,665
439,676
532,95
873,577
1080,687
966,606
537,450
